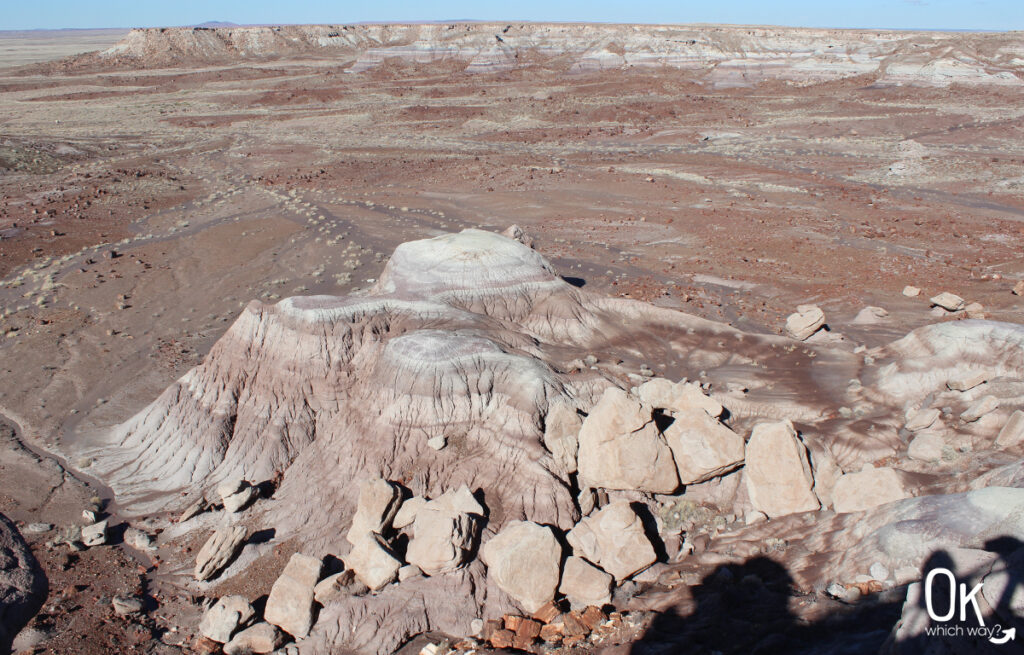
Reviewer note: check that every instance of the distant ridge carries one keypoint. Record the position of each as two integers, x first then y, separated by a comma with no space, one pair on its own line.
216,23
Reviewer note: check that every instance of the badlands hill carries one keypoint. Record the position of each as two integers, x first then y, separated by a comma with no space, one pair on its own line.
722,55
467,398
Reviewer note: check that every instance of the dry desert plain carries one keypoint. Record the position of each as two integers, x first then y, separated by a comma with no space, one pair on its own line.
679,192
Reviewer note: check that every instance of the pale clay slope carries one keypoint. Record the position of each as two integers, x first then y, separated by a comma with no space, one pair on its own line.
471,337
728,55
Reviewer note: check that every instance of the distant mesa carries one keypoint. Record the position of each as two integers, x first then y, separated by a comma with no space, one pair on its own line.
719,56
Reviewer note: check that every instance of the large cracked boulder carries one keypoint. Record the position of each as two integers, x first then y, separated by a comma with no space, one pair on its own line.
778,473
614,539
525,560
703,448
290,604
445,532
621,447
379,501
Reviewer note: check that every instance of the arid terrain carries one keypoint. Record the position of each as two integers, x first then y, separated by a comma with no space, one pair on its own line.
683,190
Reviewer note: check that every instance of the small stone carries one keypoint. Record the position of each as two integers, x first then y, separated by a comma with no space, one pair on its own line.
89,516
975,310
836,590
911,292
409,571
218,551
95,534
127,605
238,501
948,301
37,528
921,419
260,638
549,611
290,603
225,617
138,539
1018,289
979,408
593,617
437,443
967,381
879,571
503,639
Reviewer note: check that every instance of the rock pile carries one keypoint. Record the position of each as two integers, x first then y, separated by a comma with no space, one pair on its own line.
567,476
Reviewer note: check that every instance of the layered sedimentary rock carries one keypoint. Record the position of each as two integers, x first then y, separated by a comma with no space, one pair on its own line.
721,55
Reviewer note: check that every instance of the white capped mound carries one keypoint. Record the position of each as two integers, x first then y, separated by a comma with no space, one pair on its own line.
463,366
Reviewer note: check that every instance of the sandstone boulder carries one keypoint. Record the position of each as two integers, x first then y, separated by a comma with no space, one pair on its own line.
338,586
378,502
445,532
966,380
584,584
926,447
1012,433
917,420
225,618
778,474
290,604
524,560
620,447
406,514
807,320
911,291
95,534
948,301
373,562
614,539
218,551
980,407
260,638
561,435
702,447
677,397
863,490
236,495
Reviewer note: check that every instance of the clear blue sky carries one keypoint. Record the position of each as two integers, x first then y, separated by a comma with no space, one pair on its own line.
906,14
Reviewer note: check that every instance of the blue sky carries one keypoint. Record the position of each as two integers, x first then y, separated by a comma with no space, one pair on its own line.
906,14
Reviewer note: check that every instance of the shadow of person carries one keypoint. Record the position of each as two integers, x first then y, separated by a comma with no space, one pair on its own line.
1011,552
736,609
